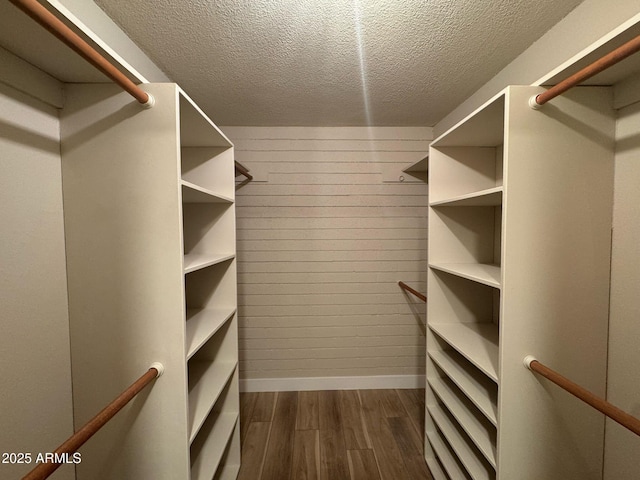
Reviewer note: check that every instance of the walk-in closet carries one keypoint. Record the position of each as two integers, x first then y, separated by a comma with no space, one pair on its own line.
322,240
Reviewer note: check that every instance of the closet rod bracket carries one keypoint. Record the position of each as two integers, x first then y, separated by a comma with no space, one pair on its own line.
533,102
150,103
159,367
527,361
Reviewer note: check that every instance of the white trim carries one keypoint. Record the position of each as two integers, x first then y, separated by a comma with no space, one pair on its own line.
331,383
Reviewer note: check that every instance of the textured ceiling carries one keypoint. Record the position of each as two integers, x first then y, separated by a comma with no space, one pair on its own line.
333,62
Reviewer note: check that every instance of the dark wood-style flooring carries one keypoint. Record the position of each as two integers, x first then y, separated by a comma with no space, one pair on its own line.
333,435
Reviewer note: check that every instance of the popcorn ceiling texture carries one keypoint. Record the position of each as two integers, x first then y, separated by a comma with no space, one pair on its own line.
333,62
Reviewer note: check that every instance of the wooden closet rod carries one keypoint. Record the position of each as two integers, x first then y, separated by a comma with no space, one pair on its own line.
242,170
620,53
75,441
73,40
406,287
623,418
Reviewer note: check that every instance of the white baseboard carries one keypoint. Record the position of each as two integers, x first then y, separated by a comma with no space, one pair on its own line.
331,383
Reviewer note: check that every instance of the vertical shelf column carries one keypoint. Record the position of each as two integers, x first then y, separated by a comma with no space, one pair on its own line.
150,236
124,261
519,244
208,217
464,282
557,244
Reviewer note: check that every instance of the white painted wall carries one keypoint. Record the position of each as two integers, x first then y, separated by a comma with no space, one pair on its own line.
100,27
35,398
322,243
622,448
587,23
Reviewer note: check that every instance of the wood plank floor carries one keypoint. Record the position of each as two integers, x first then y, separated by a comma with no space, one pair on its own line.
333,435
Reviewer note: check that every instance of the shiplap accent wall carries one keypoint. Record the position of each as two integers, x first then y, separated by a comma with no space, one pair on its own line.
325,231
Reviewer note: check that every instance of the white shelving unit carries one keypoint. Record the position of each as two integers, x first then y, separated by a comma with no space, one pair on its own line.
150,231
518,264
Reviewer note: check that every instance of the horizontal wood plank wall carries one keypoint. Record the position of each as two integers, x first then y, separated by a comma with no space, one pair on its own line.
325,232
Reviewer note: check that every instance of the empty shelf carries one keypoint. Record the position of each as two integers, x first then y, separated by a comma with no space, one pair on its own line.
210,380
436,469
472,460
192,193
484,198
196,261
477,386
202,324
477,342
477,427
433,462
229,472
208,451
478,272
447,458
